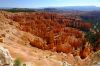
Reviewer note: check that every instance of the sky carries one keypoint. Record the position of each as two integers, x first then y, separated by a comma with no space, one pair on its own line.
47,3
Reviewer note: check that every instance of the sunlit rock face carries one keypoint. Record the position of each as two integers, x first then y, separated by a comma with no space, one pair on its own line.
5,57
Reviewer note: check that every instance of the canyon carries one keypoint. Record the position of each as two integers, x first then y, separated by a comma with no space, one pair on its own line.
46,39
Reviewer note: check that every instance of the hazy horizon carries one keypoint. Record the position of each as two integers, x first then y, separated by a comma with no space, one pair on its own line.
47,3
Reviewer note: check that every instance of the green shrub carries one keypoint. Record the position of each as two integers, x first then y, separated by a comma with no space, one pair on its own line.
24,64
17,62
92,38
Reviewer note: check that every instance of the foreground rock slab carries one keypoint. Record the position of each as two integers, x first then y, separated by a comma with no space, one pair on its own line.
5,57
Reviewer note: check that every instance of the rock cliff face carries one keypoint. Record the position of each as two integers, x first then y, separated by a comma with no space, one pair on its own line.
37,37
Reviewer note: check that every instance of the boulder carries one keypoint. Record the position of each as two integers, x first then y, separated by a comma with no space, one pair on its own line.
5,57
66,64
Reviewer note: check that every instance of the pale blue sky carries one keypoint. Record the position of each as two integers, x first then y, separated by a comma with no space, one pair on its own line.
47,3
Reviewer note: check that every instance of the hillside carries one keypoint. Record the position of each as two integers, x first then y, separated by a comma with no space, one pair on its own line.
40,37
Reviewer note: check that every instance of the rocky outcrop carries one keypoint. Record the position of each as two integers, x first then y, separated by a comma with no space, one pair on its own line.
5,57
